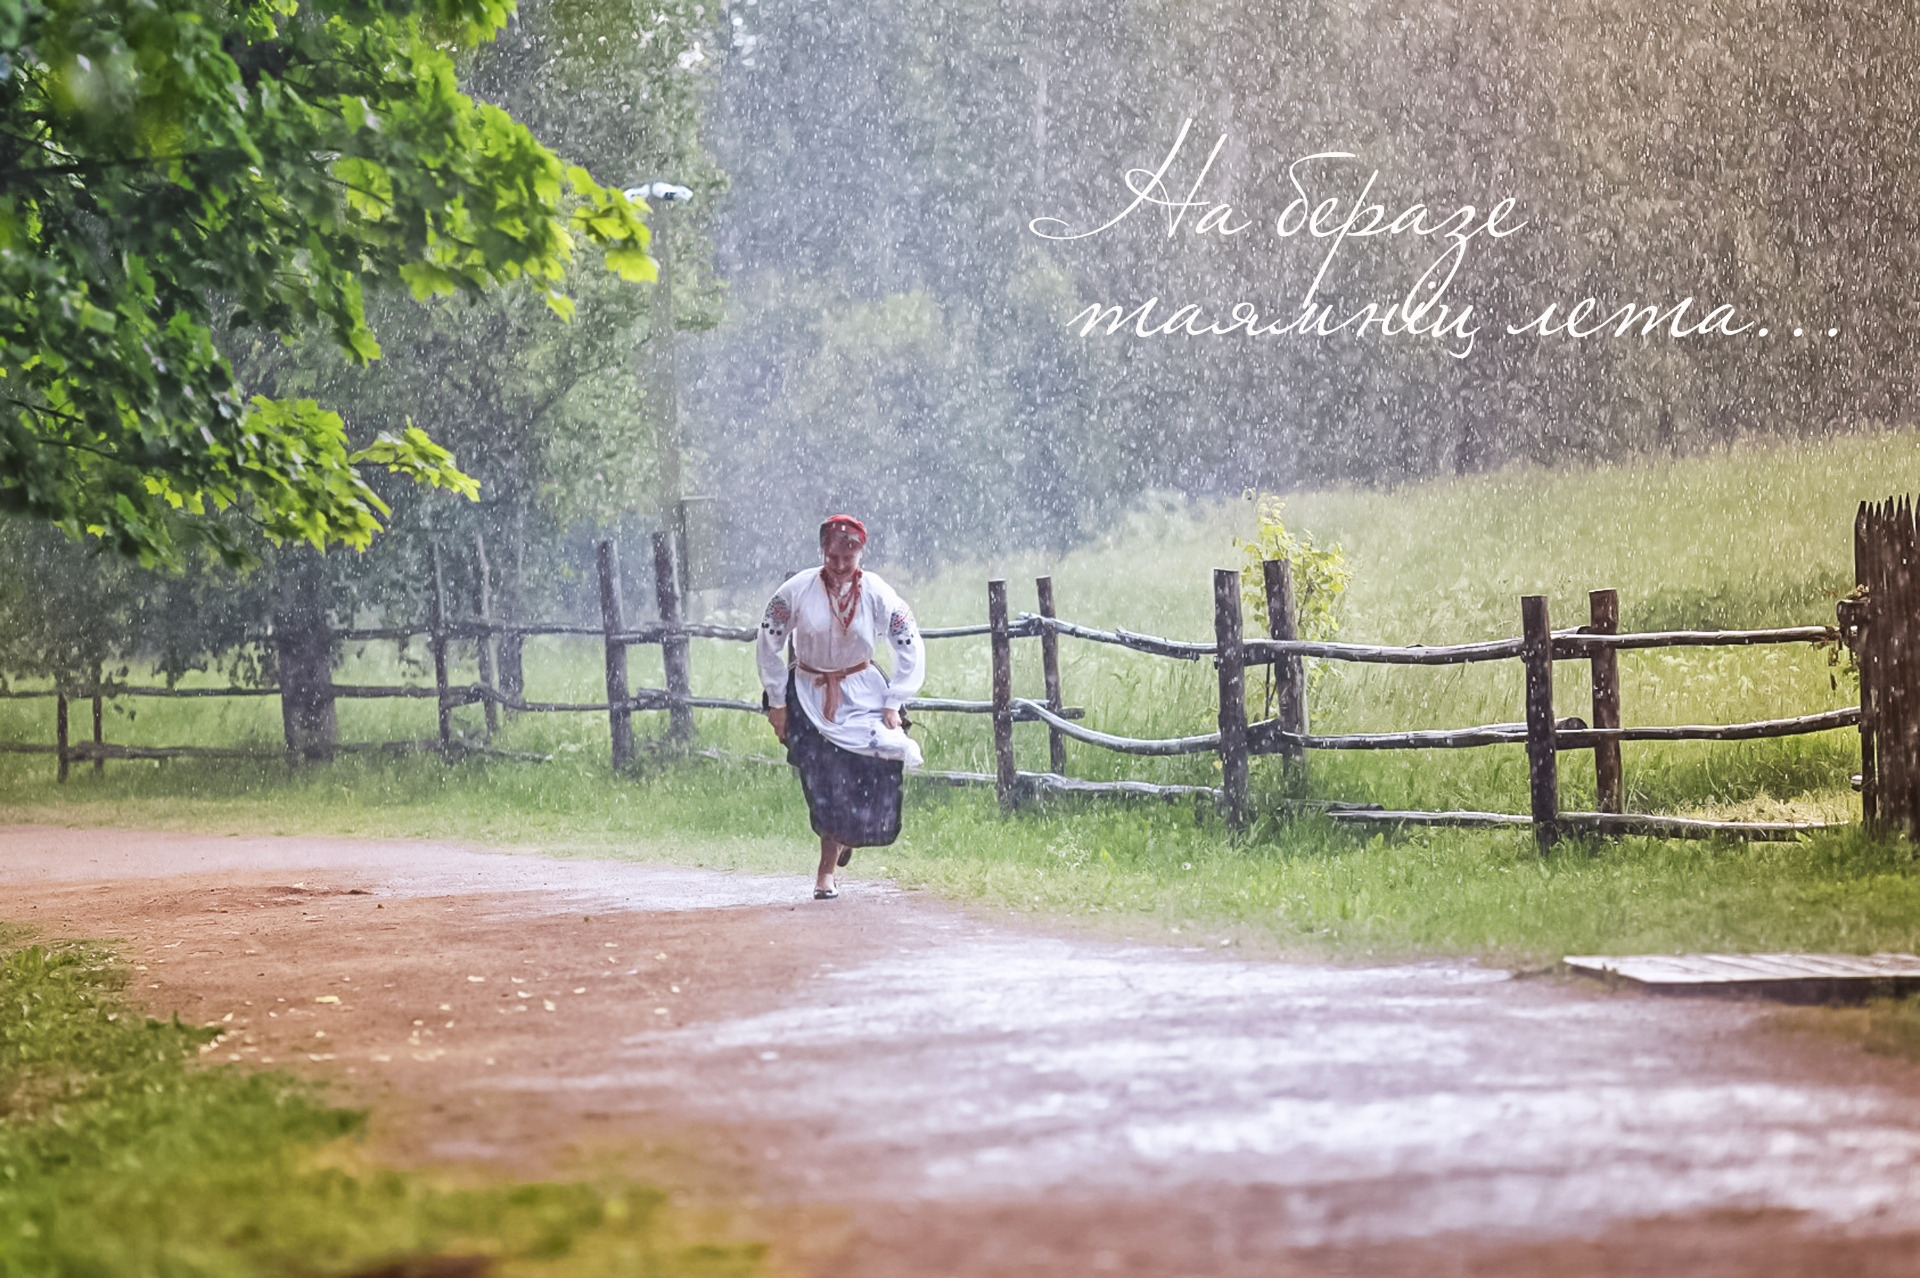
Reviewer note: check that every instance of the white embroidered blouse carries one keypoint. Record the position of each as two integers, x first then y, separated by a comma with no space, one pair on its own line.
801,610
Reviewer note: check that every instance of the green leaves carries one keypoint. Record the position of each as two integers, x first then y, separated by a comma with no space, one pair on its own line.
420,459
159,154
632,263
1320,576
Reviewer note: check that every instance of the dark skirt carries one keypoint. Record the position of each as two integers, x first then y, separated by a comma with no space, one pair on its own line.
851,798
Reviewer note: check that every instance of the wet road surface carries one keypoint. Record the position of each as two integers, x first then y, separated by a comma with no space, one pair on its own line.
955,1095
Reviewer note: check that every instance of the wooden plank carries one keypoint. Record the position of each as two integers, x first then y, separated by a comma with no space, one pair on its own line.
1798,725
1233,697
1265,737
1465,820
1647,825
1021,713
954,632
1050,672
1176,648
1894,708
1895,699
612,622
1543,768
1786,977
1002,649
1289,672
1603,617
1630,824
1905,720
675,655
1568,646
439,643
1853,623
1205,744
1453,654
1889,696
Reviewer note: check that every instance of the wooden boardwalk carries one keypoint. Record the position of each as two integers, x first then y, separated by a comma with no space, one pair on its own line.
1790,978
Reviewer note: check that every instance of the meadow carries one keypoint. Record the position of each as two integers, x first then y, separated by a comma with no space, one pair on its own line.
1759,535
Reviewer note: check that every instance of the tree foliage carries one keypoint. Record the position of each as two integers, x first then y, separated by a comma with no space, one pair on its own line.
175,170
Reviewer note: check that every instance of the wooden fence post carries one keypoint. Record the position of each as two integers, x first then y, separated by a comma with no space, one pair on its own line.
1233,697
484,644
1898,740
99,727
674,654
1603,612
1543,768
1897,723
437,640
1890,603
1856,628
1005,779
612,623
1289,673
1886,544
1050,669
60,736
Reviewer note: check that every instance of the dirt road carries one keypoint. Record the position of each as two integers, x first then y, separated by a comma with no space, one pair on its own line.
890,1086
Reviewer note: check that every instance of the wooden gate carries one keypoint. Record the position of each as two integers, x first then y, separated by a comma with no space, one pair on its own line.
1878,623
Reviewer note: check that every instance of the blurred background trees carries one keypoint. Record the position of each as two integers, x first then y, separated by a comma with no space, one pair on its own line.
867,324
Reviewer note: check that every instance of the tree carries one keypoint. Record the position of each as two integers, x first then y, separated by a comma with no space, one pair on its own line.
549,417
172,170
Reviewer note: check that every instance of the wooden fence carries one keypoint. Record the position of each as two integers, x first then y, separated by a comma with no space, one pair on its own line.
1891,695
1879,620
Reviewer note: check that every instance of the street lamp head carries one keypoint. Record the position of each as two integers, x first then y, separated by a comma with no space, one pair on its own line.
659,193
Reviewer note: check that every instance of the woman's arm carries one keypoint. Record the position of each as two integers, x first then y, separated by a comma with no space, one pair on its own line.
908,649
776,623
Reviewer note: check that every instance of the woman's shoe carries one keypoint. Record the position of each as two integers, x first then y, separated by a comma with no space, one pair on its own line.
846,855
825,894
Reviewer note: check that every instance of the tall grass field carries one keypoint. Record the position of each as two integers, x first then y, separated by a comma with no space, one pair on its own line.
1756,536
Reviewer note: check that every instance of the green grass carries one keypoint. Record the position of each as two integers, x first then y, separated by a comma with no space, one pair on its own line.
1137,869
1757,536
120,1157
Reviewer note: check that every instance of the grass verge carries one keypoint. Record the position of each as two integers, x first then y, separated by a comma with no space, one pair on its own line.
1139,869
118,1156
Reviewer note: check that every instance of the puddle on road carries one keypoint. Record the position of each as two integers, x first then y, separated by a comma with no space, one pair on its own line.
1379,1102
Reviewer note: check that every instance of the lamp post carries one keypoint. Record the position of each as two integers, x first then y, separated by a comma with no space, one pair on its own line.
669,549
662,196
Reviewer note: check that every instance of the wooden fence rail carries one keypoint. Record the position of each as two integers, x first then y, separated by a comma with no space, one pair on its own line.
1235,740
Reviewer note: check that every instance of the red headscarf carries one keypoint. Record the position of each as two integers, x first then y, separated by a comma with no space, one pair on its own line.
847,524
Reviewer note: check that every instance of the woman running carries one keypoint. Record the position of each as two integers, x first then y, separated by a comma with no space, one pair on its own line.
848,739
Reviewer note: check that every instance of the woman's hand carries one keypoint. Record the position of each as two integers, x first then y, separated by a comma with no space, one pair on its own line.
891,717
777,716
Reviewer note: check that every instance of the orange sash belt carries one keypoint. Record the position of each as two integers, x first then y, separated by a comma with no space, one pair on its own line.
829,680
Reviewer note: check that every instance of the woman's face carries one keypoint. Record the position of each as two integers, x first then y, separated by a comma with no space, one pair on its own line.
839,556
